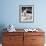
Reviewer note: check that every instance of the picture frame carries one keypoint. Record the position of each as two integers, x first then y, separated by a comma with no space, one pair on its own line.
26,13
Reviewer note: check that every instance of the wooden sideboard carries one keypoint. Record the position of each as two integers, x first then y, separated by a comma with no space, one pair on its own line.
23,39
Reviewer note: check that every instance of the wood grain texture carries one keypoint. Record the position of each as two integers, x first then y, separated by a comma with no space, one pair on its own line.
23,39
34,39
13,39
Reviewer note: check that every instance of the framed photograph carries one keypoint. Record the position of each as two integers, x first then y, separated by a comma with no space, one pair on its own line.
26,13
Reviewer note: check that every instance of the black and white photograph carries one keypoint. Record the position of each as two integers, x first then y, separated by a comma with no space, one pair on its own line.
26,13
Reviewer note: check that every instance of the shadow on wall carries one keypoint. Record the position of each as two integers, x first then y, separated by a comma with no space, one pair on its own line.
2,26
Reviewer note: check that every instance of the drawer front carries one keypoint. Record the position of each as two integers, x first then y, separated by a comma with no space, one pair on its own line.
27,41
12,39
34,33
12,44
33,40
13,33
37,39
37,44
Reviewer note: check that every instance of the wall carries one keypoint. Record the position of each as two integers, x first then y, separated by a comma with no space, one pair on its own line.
9,13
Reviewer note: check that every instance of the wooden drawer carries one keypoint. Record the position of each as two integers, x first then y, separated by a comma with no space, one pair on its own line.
12,39
20,44
37,44
34,33
23,39
37,39
27,41
33,39
13,33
